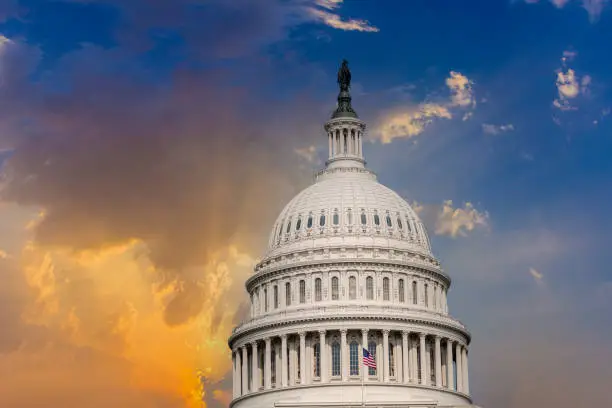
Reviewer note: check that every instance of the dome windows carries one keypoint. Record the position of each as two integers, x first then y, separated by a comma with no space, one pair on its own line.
389,223
386,291
336,218
298,224
376,220
370,288
399,223
318,296
364,219
335,288
288,227
309,223
322,220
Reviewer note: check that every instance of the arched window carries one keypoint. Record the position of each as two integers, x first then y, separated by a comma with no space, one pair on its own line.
414,293
275,296
335,359
401,290
399,223
352,288
336,219
298,225
391,360
386,289
369,288
288,226
389,223
302,291
266,299
309,223
335,289
322,220
318,290
317,360
376,219
354,358
372,351
364,219
288,294
426,292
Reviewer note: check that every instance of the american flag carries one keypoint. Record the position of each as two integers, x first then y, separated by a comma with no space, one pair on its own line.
368,360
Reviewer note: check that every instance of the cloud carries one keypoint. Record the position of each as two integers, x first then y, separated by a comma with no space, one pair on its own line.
411,121
593,7
308,153
536,275
490,129
569,86
322,12
450,221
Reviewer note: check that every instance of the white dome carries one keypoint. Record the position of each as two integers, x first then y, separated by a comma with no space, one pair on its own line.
355,210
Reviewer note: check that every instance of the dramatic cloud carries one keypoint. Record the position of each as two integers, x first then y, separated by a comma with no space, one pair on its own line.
324,14
450,221
307,153
407,122
152,201
593,7
490,129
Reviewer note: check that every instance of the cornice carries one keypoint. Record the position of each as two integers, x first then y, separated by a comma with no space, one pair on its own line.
259,325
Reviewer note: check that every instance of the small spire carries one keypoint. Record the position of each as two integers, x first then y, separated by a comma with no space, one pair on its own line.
344,108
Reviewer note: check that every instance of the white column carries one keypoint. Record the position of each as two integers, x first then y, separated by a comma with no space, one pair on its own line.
268,365
323,351
450,381
364,345
302,358
438,362
329,138
385,363
292,360
464,365
238,373
245,367
255,366
284,360
234,382
459,368
423,354
343,355
405,355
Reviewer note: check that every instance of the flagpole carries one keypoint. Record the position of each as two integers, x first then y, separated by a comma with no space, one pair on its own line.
362,377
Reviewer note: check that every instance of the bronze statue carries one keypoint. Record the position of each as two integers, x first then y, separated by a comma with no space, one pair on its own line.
344,76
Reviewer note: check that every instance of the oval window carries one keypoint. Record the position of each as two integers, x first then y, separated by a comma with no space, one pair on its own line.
399,223
288,226
322,220
389,224
376,219
364,219
298,225
336,219
309,223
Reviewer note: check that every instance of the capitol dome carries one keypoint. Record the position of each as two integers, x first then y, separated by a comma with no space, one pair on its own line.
347,207
348,306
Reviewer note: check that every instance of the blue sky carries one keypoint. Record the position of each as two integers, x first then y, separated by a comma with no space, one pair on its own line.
147,146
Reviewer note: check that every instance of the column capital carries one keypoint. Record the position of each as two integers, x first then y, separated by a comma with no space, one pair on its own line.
243,347
254,343
343,331
437,337
322,332
405,333
283,336
386,332
422,335
268,340
302,334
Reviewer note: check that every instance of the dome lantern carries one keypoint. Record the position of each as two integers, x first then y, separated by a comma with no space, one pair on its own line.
345,130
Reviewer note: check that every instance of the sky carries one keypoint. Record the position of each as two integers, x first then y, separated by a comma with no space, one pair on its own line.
146,147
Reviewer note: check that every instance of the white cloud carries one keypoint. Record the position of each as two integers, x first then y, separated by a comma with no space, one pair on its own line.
570,85
593,7
536,275
307,153
450,221
322,12
408,122
490,129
